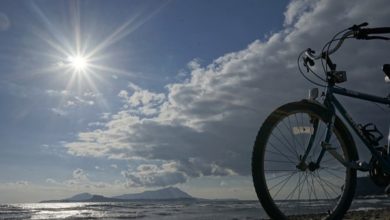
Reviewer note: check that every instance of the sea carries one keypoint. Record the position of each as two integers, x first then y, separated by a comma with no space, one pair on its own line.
157,210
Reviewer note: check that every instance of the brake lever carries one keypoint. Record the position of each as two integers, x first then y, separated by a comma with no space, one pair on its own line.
307,60
357,27
310,52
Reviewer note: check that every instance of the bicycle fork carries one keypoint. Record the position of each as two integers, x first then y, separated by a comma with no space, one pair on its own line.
326,146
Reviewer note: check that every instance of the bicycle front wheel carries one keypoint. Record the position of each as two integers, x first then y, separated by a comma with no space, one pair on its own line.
285,188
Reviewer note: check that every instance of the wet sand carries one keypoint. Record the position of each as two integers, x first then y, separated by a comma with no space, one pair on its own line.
371,214
383,214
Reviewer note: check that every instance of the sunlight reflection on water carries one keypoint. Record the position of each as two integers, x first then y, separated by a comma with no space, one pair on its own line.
52,211
157,210
133,210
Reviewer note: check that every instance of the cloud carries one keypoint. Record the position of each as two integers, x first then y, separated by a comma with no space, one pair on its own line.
206,125
4,22
80,175
19,183
56,93
166,173
296,9
70,101
51,181
80,180
142,102
22,183
151,175
59,111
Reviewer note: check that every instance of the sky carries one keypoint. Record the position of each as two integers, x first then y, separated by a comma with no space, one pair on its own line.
114,97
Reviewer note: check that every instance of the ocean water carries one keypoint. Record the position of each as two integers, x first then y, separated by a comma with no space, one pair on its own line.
145,210
164,210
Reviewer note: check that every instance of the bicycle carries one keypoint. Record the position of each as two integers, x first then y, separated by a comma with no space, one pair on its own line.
304,159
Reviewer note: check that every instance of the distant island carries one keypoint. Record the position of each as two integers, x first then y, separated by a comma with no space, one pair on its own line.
170,193
365,188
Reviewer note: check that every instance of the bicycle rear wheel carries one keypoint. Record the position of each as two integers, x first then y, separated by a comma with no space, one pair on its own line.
287,191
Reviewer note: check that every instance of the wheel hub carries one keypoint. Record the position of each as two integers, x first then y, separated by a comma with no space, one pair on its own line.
311,166
302,166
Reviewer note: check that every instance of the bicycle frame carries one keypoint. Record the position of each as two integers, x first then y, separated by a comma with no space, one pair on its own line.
333,104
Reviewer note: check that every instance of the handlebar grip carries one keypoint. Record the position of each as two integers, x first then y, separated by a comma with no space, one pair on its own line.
381,30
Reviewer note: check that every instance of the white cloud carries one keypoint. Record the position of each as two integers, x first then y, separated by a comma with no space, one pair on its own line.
99,168
96,124
194,64
206,125
59,111
79,175
51,181
4,22
296,9
155,173
69,101
80,180
142,102
52,92
22,183
151,175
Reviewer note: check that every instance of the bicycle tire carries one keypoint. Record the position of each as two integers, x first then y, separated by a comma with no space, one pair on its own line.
347,146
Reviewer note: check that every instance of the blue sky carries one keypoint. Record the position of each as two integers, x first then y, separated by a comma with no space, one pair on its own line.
157,40
173,92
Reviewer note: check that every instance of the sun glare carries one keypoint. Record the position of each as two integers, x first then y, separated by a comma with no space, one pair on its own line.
78,63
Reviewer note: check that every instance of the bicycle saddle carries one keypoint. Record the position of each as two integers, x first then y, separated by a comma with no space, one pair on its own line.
386,69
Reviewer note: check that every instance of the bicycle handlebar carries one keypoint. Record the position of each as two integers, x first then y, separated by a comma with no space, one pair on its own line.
357,32
380,30
310,53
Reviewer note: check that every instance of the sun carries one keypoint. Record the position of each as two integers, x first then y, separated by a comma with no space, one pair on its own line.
79,63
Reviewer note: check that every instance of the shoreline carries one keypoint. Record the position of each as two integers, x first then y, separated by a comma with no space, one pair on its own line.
366,214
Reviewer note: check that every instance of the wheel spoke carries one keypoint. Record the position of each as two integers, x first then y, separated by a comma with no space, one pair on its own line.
281,187
275,177
280,182
290,148
279,161
280,153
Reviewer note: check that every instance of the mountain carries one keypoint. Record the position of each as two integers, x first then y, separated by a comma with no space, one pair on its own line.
170,193
162,194
80,197
99,198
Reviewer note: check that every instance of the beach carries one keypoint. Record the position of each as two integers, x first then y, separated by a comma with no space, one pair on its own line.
369,214
363,214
